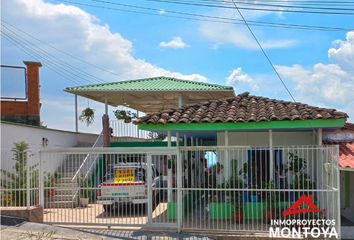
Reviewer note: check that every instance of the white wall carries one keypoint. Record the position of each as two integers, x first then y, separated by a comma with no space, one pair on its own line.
11,133
261,139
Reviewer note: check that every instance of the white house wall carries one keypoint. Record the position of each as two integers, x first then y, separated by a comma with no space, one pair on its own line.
13,133
261,139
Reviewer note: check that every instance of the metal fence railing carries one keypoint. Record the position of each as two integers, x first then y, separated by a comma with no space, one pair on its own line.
130,132
214,188
19,183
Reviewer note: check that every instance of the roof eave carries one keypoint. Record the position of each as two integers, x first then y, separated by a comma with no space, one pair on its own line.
241,126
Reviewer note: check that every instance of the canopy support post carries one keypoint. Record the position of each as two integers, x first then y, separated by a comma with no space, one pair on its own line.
76,116
106,131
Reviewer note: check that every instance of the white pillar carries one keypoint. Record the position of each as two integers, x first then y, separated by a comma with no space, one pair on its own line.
181,101
271,155
76,116
319,137
177,139
185,140
227,160
179,191
169,170
168,138
149,187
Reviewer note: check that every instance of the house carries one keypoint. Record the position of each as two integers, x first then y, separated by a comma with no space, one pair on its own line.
344,137
225,163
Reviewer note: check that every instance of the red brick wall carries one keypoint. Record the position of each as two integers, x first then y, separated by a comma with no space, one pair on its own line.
27,112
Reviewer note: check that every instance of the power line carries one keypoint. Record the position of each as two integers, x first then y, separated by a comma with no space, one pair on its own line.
263,51
43,55
267,4
208,18
59,50
278,9
18,45
70,68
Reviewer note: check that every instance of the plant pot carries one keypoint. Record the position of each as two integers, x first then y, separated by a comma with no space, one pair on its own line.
269,214
84,202
238,216
52,192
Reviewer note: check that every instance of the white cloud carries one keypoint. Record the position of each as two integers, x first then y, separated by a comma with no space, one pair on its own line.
79,33
162,11
176,42
344,53
238,36
330,85
237,77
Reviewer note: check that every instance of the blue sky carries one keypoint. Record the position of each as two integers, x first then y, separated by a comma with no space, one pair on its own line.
316,65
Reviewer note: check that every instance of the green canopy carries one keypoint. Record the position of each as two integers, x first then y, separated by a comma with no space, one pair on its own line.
152,94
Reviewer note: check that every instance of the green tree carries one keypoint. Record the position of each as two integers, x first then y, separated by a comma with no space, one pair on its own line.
14,183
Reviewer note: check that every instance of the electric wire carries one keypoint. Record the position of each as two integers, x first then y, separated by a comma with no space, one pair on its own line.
264,52
208,18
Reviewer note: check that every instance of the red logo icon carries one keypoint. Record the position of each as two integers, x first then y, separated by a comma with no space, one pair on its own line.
296,207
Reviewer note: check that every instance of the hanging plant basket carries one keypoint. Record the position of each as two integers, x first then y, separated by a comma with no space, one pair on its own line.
126,116
87,116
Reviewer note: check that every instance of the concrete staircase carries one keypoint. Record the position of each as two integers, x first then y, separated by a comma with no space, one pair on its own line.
67,188
66,191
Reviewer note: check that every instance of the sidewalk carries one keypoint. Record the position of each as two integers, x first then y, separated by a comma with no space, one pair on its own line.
12,228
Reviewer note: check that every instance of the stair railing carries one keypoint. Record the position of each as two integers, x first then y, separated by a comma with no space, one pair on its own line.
98,143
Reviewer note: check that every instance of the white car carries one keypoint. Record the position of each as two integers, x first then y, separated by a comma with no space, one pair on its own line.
126,184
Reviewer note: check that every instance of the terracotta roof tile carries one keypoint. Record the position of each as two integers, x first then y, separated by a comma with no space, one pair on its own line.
242,108
346,154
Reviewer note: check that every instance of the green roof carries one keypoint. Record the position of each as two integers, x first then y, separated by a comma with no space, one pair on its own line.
152,84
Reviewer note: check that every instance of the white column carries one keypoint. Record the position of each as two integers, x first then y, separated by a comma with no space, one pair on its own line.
76,116
185,140
149,187
227,160
177,139
319,137
179,191
180,101
271,156
169,170
168,138
41,181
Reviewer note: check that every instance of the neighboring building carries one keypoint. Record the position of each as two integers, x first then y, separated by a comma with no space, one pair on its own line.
27,110
344,137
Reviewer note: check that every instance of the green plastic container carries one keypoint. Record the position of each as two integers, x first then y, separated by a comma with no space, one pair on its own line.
254,210
172,210
221,210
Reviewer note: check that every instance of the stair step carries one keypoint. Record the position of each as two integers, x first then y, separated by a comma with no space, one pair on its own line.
71,185
61,204
63,198
65,191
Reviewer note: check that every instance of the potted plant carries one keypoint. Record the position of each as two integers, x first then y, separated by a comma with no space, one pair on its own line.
238,214
296,163
87,116
85,191
126,116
